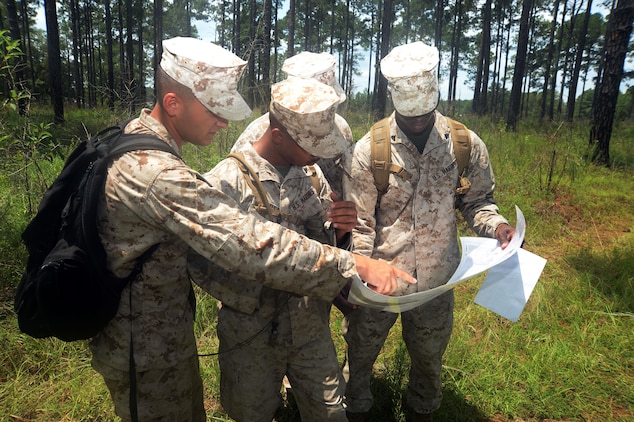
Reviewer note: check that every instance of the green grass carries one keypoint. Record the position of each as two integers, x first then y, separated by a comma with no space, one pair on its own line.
570,357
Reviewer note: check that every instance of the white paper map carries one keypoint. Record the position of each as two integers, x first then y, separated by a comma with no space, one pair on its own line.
512,274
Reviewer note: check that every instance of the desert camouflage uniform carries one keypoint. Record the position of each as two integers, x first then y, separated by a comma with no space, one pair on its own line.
265,333
153,197
414,228
335,169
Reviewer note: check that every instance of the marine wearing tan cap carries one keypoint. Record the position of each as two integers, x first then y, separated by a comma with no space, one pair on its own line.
318,66
411,72
213,81
306,108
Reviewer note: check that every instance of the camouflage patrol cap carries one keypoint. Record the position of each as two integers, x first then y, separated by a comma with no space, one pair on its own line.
306,109
210,71
318,66
410,70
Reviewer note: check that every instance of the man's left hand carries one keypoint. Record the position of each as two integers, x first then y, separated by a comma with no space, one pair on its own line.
504,233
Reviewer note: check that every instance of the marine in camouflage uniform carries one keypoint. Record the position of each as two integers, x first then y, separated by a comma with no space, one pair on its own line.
321,67
265,333
154,197
413,226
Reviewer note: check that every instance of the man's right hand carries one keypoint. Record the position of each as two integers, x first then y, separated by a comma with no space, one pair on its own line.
380,276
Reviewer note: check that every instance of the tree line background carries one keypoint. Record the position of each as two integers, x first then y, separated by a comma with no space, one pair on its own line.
523,58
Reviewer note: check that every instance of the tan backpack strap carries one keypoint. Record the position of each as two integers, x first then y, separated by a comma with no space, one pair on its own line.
261,205
462,149
314,178
381,155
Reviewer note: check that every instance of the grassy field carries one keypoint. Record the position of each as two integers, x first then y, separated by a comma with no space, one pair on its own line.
570,357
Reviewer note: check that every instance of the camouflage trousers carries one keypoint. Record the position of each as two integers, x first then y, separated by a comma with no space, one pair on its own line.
251,380
426,331
168,394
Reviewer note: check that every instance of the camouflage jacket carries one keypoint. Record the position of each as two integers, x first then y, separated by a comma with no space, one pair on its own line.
301,319
414,226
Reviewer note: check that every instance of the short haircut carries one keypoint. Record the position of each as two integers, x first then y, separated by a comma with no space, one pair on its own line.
166,84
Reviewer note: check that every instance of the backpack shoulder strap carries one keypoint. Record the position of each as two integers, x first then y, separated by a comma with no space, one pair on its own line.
261,202
132,142
381,155
314,178
462,148
461,143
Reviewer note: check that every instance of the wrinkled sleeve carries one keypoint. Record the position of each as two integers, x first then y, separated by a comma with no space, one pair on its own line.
478,206
360,189
213,225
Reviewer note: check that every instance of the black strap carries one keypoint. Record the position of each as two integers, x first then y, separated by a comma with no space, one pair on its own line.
138,266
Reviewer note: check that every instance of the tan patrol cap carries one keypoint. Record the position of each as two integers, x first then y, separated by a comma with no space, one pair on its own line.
410,70
318,66
306,108
210,71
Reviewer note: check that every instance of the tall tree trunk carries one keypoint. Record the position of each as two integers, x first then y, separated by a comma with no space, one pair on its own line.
237,37
307,24
386,32
54,60
76,34
347,47
549,60
439,16
528,73
188,18
140,93
377,55
333,8
20,77
371,60
275,41
266,53
520,66
565,71
253,47
122,65
553,83
27,49
581,45
455,57
157,18
291,28
129,47
349,75
109,57
501,102
90,47
479,104
497,62
617,38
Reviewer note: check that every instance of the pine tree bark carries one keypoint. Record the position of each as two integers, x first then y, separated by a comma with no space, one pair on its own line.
479,104
109,57
520,66
386,31
617,38
549,60
54,60
266,53
291,28
14,30
574,80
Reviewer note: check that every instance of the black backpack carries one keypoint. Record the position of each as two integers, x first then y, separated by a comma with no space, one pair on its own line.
66,291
